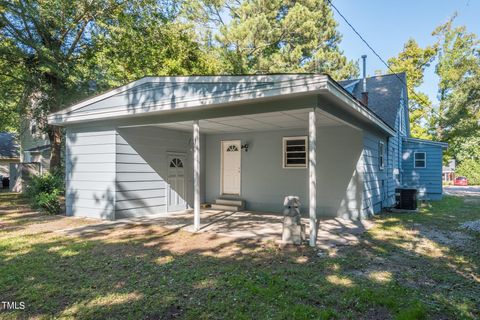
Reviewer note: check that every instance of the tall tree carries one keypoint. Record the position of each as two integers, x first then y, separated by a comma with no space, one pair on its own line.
458,115
10,90
414,60
64,50
260,36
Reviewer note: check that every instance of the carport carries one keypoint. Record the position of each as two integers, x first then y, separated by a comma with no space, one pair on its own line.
162,145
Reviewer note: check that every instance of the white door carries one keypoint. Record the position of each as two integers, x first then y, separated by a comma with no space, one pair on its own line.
176,183
231,167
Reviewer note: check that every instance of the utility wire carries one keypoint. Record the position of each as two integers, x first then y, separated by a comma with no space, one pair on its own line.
374,52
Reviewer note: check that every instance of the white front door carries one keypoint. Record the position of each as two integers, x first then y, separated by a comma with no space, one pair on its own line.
231,167
176,183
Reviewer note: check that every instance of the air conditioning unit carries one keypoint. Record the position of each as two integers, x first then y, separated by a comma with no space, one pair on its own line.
406,198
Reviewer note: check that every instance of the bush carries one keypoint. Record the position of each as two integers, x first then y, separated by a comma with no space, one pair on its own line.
45,191
471,169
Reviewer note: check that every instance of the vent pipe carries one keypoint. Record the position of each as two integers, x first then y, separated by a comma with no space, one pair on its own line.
364,81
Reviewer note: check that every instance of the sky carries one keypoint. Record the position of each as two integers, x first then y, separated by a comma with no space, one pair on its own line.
388,24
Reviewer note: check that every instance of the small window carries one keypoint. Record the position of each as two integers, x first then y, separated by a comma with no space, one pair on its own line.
420,159
295,152
232,148
176,163
381,155
33,128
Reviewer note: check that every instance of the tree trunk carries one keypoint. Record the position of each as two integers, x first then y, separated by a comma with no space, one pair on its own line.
55,136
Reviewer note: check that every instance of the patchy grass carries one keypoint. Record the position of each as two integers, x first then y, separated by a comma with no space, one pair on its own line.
408,266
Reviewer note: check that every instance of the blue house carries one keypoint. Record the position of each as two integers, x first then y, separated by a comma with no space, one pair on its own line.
163,144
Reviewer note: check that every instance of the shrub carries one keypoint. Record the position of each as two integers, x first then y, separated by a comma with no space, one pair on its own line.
471,169
45,191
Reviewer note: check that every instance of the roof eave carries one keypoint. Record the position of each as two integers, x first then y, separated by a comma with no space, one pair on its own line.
317,84
444,145
294,87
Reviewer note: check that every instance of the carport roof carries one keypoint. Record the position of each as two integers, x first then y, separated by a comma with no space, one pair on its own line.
158,95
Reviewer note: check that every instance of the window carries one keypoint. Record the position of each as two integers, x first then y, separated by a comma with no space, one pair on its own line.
33,128
232,148
176,163
381,154
295,151
420,159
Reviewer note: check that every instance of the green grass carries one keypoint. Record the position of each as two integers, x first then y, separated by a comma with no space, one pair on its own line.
403,268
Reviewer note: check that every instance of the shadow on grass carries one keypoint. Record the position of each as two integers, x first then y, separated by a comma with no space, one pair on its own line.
147,272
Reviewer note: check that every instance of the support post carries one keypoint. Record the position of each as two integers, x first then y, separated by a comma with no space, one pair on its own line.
312,176
196,175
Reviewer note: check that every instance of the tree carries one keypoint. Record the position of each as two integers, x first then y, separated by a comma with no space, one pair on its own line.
10,90
458,116
260,36
63,50
414,60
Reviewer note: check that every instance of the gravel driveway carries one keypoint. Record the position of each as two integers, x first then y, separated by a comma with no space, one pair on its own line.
462,191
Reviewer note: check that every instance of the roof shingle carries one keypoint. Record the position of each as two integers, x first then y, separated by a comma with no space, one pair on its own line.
384,94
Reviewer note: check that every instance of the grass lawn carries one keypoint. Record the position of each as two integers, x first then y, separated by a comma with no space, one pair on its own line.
408,266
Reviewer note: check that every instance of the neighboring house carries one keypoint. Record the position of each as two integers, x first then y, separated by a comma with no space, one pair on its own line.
448,171
163,144
9,153
35,145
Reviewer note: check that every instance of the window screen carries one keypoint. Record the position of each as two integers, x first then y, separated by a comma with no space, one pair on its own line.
295,151
420,160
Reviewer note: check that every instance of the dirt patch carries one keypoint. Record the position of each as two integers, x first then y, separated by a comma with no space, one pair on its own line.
444,237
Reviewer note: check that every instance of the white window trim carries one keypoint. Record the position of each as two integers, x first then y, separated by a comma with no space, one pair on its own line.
415,160
381,155
284,144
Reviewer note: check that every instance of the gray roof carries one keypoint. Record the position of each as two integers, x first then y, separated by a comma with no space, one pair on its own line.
384,94
9,147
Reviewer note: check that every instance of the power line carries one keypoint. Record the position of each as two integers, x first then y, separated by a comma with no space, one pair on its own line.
373,50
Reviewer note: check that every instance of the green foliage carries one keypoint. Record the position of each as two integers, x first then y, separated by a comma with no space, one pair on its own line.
62,51
457,119
469,168
414,60
45,191
277,36
143,272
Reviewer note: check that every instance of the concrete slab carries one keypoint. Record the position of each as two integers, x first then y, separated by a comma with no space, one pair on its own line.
243,224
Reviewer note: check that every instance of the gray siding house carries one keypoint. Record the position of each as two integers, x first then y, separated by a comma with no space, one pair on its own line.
164,144
9,153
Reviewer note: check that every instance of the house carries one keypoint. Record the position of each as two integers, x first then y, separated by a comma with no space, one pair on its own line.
9,153
448,171
35,145
163,144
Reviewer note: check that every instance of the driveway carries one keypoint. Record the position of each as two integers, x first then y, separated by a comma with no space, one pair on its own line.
462,191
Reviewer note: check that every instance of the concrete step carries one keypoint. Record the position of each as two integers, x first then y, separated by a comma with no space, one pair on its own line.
230,202
225,207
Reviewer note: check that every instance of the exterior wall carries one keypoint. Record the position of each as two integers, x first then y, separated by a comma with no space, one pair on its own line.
30,140
375,189
265,183
115,173
427,180
395,151
43,158
5,166
142,165
90,171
